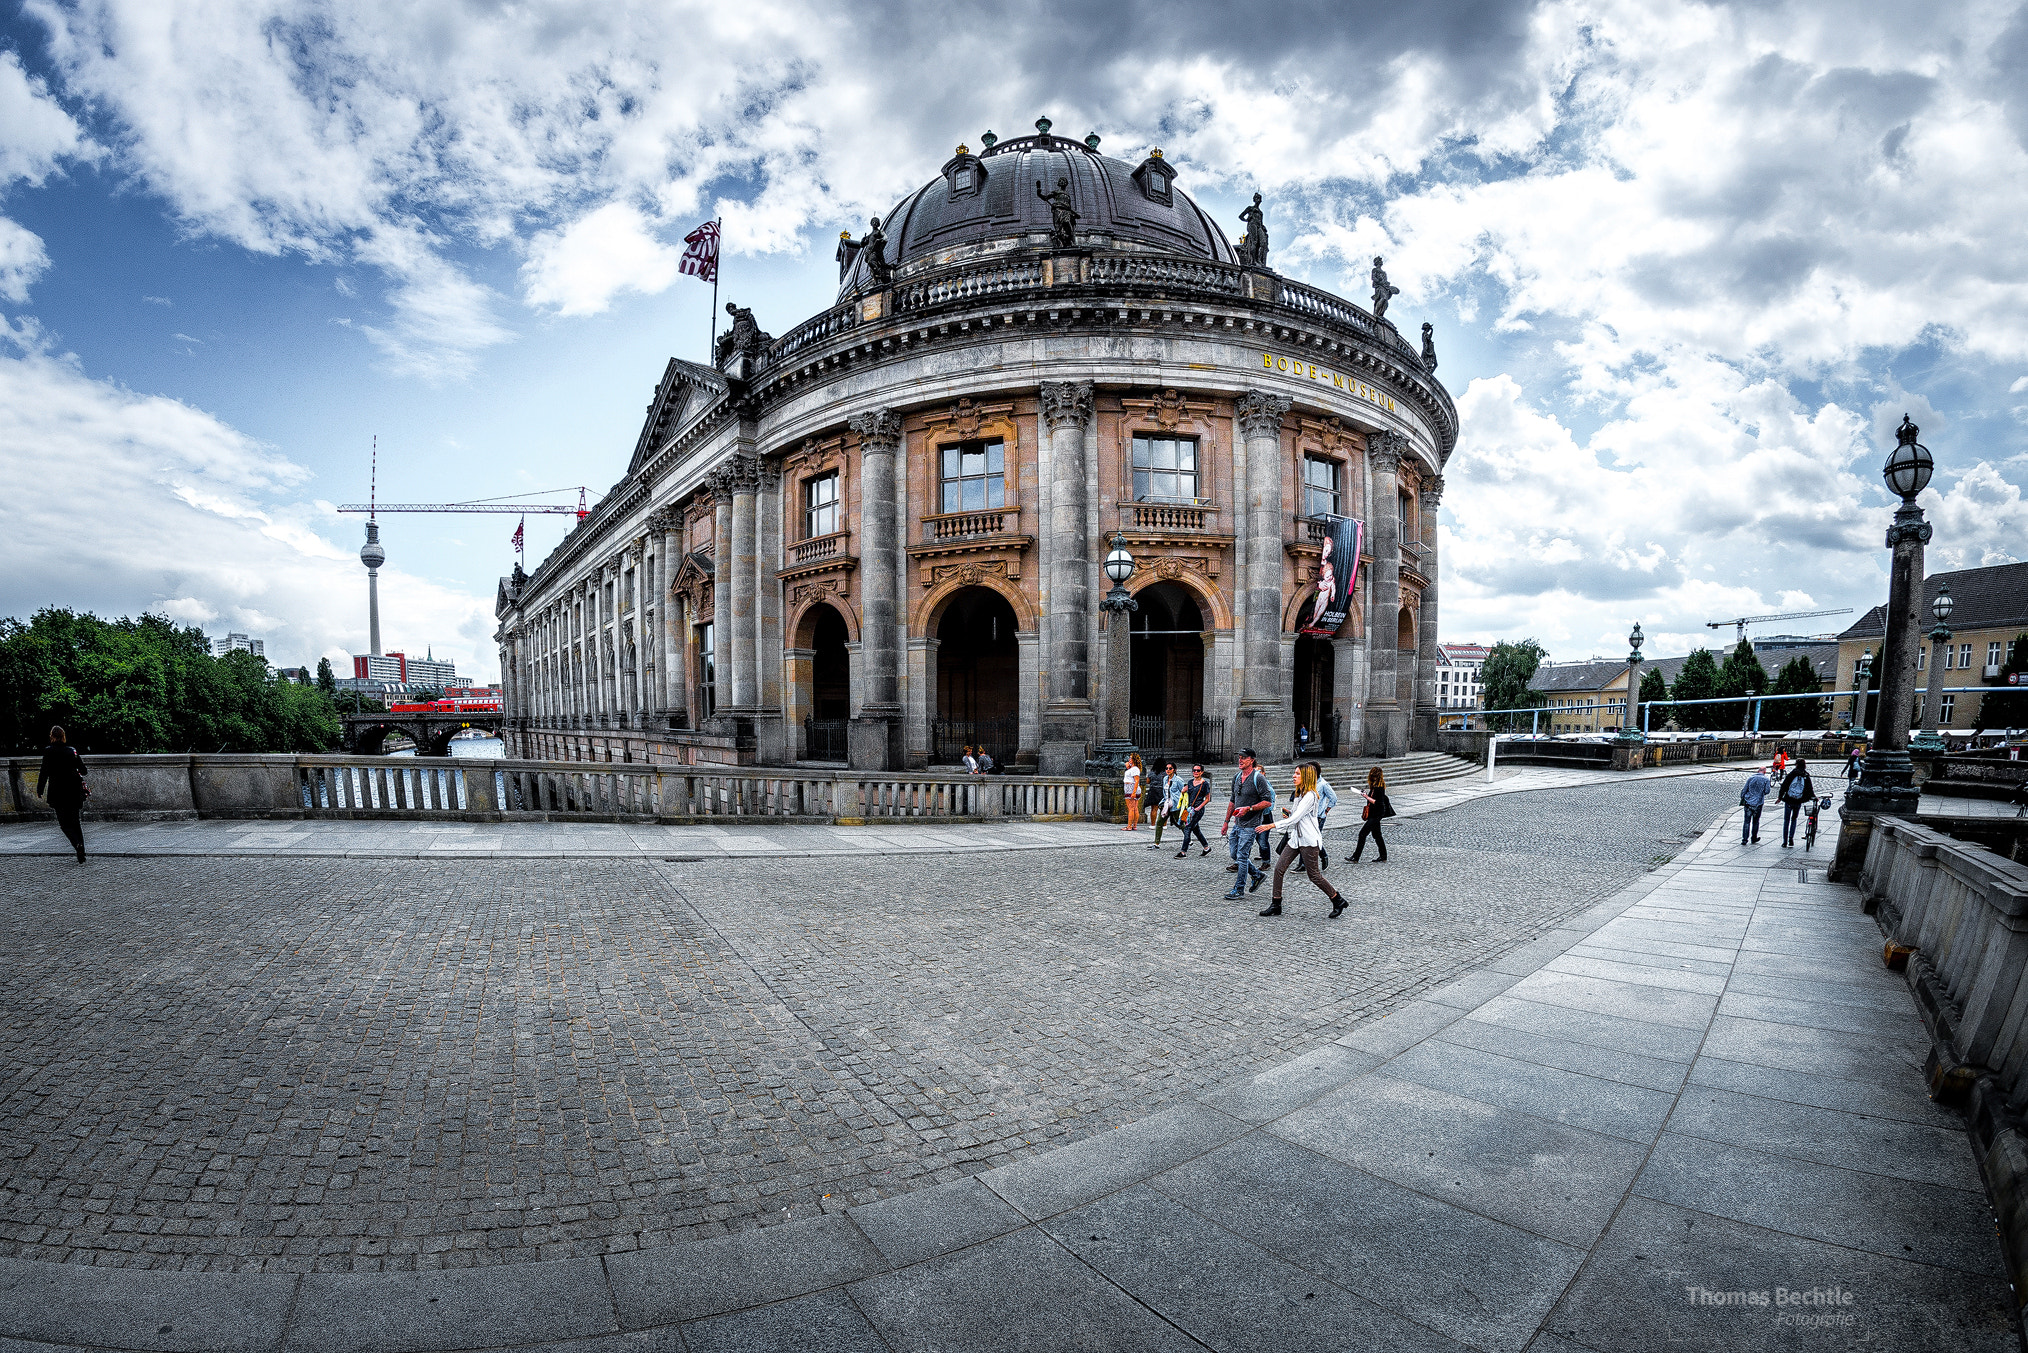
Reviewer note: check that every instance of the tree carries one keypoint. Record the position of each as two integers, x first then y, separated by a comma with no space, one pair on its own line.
1742,674
1698,680
2007,705
1654,698
1798,677
327,680
1504,676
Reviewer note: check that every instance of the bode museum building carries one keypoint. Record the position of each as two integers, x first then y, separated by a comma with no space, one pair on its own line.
886,533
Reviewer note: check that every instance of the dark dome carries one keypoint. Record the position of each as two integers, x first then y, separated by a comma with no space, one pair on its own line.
989,198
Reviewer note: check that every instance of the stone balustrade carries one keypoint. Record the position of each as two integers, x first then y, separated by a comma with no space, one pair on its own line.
1957,915
472,789
1195,518
963,525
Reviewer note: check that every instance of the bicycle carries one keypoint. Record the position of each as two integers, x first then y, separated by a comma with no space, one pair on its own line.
1810,820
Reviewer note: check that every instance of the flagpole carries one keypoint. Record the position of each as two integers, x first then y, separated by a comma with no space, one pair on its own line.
718,250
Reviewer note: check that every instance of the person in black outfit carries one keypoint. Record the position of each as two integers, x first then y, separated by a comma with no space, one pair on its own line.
1796,792
61,784
1377,809
1196,795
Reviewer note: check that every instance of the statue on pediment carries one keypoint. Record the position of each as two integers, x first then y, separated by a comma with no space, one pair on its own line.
1253,249
1383,290
1062,214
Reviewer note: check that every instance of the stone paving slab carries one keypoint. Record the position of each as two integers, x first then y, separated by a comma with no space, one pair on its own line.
1293,1211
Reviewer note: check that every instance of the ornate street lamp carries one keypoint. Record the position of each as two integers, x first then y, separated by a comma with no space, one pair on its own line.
1929,740
1630,724
1860,682
1118,605
1887,784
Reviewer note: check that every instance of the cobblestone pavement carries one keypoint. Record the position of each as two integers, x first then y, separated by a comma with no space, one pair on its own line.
361,1064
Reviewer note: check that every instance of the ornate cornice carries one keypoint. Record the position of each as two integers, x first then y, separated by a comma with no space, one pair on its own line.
879,432
1260,413
1384,451
1066,404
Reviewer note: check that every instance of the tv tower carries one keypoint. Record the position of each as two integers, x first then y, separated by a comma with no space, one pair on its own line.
371,555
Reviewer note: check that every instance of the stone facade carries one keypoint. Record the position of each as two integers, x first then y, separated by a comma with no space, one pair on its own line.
884,537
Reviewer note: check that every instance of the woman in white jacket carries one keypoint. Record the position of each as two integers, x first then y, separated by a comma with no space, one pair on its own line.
1304,838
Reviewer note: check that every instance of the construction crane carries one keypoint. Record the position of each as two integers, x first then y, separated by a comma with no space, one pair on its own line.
1741,622
479,505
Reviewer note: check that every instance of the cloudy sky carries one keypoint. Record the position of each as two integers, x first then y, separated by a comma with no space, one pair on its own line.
1688,265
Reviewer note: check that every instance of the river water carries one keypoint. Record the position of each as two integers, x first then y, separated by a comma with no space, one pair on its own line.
486,749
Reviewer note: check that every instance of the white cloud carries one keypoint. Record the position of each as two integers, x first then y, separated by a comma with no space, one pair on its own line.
579,269
35,132
22,260
208,528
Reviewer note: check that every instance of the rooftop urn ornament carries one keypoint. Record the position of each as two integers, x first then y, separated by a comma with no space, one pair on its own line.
1253,250
988,141
1042,126
1383,290
1091,141
1062,215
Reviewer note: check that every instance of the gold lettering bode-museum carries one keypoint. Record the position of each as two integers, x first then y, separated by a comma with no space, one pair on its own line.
879,537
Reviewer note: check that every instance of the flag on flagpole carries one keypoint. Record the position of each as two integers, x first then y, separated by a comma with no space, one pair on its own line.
519,548
700,260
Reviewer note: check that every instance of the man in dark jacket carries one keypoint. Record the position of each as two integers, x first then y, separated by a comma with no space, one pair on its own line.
61,784
1797,790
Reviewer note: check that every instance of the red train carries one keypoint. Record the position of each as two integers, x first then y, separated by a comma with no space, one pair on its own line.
450,705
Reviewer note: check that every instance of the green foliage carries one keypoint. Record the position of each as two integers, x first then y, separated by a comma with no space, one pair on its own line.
1697,680
145,685
1654,699
1797,677
1742,674
2007,707
327,680
1505,675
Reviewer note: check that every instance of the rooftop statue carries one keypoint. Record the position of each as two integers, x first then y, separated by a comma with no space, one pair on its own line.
1253,250
1429,345
1383,292
745,338
1062,215
873,248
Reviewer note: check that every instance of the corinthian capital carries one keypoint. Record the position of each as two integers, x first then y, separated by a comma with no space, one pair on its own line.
1066,404
1260,413
879,432
1384,451
739,474
1432,492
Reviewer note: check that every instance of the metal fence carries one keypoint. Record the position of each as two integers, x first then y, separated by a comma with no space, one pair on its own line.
824,739
950,737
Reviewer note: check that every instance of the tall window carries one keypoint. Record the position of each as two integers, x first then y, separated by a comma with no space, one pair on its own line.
707,673
1965,656
1993,658
1407,517
1320,487
1944,707
1165,469
975,476
820,505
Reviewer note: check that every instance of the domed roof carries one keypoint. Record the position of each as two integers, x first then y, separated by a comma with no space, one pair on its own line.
990,198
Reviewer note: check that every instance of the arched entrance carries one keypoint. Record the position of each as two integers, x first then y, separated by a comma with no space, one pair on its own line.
824,634
1310,699
1167,694
978,678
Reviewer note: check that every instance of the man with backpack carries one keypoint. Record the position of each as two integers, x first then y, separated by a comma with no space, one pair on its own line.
1252,801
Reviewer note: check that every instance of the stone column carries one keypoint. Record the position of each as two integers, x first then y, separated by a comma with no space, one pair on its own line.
1265,720
873,741
722,569
1067,717
771,744
1425,728
743,566
1027,661
1386,731
637,650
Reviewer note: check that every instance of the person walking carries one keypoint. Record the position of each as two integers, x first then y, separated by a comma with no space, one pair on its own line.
1303,841
1798,791
1165,803
1377,810
1196,798
1758,787
1327,800
61,784
1250,807
1130,784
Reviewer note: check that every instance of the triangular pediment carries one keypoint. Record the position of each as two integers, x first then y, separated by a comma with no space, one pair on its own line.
686,391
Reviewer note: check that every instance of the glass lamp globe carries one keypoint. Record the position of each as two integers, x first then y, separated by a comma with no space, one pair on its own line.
1635,640
1119,564
1942,607
1909,465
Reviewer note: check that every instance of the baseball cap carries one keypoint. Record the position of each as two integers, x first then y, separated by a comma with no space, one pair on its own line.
1249,753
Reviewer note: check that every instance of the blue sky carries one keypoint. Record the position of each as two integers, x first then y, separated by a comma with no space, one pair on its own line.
1687,264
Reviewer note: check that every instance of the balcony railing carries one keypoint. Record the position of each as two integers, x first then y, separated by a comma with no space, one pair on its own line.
1196,517
995,521
1153,270
817,549
968,283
